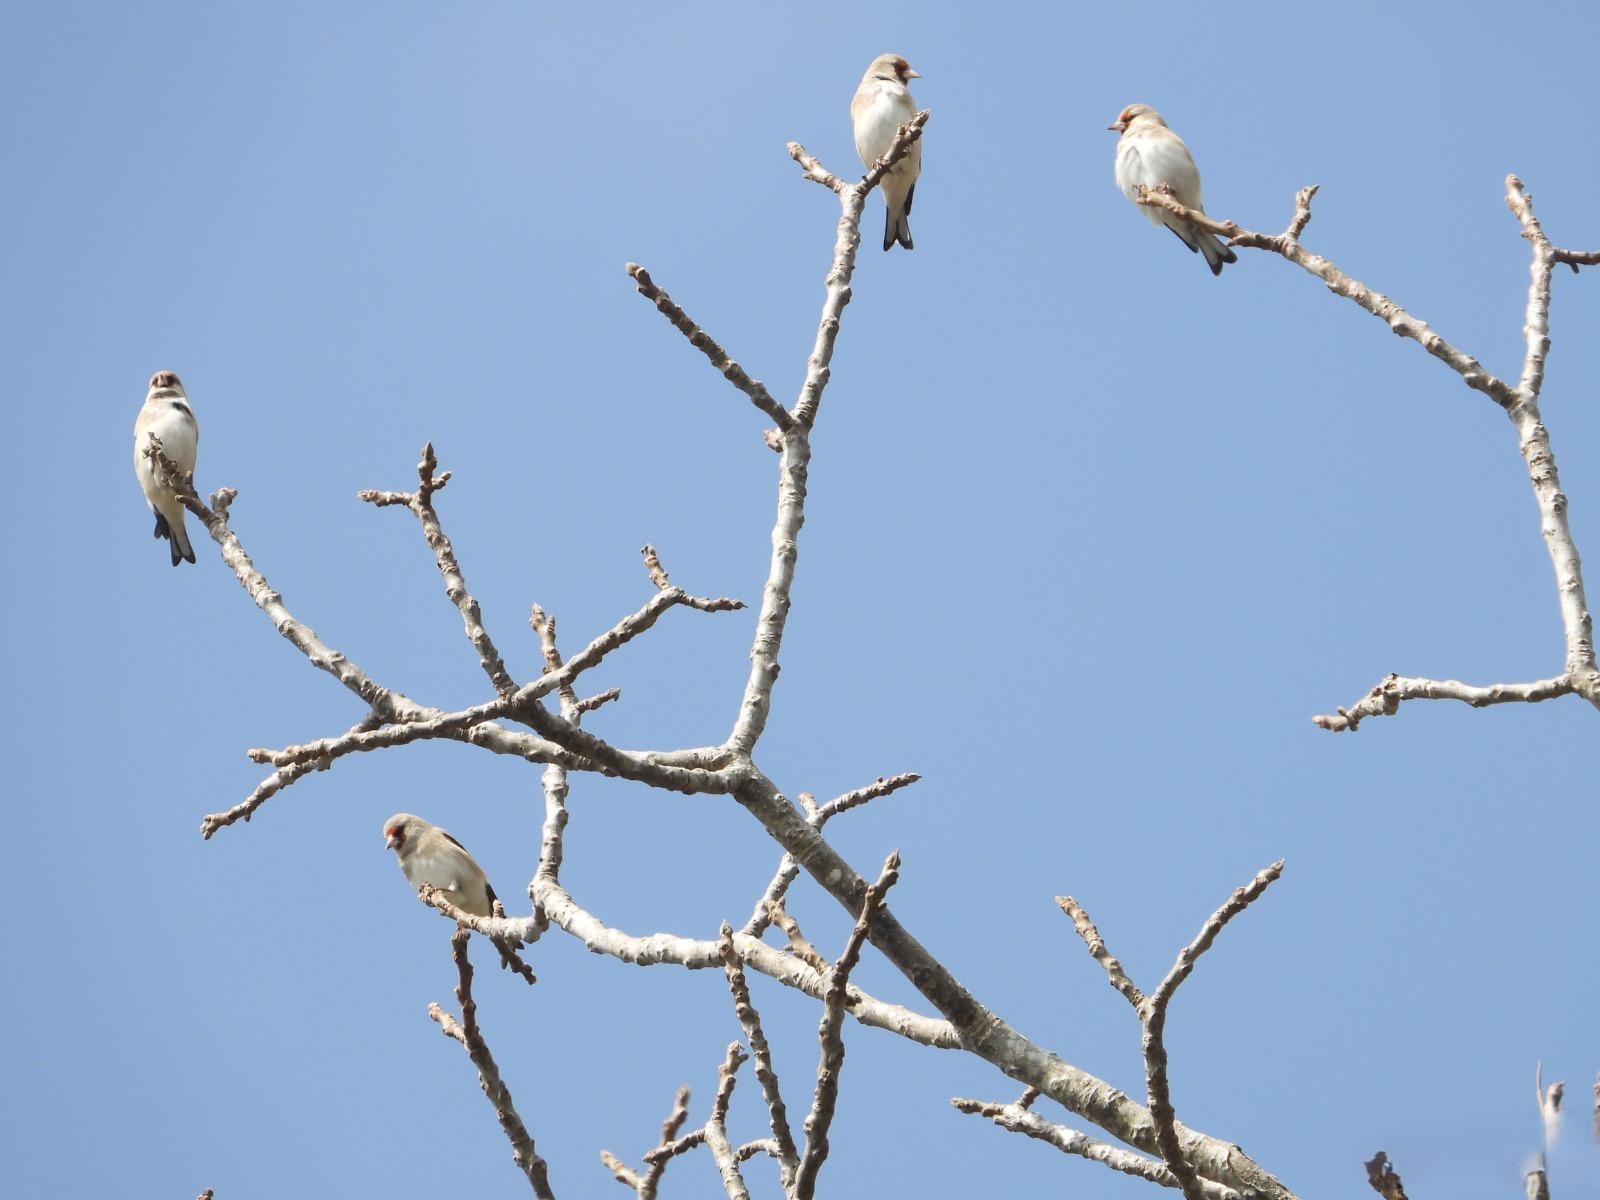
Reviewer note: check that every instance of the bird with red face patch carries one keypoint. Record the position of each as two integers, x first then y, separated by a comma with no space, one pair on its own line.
429,855
1150,154
880,106
167,415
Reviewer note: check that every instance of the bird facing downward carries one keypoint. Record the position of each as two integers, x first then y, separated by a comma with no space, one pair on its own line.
880,106
429,855
166,413
1149,153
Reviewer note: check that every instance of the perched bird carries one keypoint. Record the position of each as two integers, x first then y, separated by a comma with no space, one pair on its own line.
880,106
1149,153
166,413
428,854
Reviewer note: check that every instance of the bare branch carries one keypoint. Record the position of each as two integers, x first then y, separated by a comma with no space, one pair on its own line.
563,912
389,705
830,1034
656,1160
589,703
420,503
468,1034
1153,1015
772,898
1386,310
1384,1179
1521,404
703,342
623,1173
983,1032
795,458
814,170
1018,1119
860,796
1384,700
799,945
1533,439
1241,899
1117,977
716,1126
663,582
545,626
761,1055
503,933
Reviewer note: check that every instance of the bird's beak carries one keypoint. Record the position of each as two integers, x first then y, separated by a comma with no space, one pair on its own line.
1117,126
910,74
392,841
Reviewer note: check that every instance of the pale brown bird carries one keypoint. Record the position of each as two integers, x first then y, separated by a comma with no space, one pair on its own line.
429,855
166,413
880,106
1150,154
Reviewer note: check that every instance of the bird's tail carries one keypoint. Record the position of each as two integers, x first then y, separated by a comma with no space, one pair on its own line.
178,537
1215,252
896,228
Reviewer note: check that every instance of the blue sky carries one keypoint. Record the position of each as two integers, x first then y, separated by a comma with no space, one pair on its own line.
1091,536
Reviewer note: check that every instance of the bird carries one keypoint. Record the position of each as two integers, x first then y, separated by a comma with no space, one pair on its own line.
429,855
166,413
1150,154
880,106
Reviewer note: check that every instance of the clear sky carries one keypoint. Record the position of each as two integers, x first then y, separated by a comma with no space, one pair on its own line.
1091,537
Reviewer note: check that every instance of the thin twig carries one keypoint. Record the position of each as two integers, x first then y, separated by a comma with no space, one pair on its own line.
761,1056
788,870
1533,439
387,703
1153,1015
830,1032
420,502
468,1034
791,971
1018,1119
1385,698
717,1128
1098,951
505,933
1521,404
793,463
703,342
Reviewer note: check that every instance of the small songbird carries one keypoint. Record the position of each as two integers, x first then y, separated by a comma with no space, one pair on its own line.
166,413
428,854
880,106
1149,153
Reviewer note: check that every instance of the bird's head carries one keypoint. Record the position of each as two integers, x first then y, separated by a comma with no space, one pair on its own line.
165,382
400,832
891,67
1135,112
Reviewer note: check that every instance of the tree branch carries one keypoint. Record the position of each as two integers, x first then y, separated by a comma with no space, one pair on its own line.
1071,1141
703,342
1521,404
1384,700
467,1033
420,502
830,1034
761,1055
1153,1016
